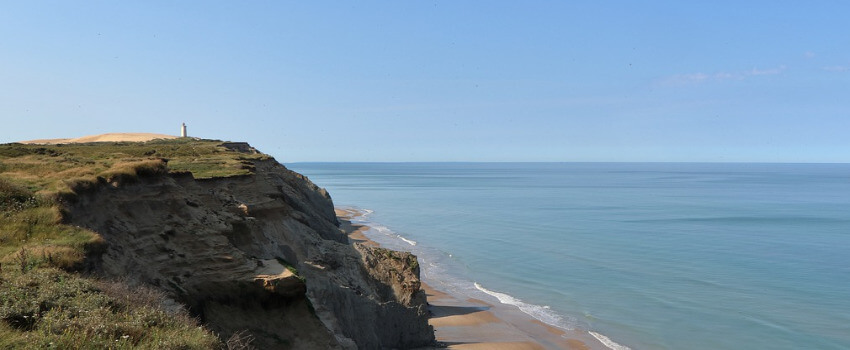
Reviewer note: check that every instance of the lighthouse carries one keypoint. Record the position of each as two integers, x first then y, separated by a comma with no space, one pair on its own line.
183,130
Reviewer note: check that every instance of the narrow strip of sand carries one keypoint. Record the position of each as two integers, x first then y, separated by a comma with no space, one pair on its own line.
465,323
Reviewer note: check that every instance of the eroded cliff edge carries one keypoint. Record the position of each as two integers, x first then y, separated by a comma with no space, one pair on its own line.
259,252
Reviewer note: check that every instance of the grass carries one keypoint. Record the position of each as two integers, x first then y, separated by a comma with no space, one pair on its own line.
32,234
42,303
64,168
50,308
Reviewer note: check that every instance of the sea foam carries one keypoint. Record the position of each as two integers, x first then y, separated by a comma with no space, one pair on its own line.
546,315
608,342
386,231
541,313
411,242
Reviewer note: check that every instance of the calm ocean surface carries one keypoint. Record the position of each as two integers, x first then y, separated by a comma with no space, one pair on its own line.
652,255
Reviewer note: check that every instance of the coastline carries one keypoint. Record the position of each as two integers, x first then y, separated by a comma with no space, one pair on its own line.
466,323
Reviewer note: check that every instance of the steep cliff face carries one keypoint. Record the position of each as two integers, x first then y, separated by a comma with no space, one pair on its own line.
230,247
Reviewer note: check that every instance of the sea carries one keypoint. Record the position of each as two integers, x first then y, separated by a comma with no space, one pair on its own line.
642,255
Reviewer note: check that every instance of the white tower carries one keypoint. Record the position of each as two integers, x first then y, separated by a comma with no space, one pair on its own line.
183,130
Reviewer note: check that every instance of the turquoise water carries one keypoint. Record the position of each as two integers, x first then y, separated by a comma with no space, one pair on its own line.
652,255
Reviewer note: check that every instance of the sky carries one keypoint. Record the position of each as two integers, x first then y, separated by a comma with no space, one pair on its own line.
634,81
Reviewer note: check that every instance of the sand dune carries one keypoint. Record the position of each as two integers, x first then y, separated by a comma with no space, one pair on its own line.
109,137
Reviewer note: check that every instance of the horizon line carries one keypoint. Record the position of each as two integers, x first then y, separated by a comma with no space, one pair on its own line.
564,162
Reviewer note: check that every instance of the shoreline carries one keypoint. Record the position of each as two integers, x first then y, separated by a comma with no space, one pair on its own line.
465,323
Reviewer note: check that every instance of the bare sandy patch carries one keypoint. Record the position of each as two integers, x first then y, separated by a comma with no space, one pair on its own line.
108,137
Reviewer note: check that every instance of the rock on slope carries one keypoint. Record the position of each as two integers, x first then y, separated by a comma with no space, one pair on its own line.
229,248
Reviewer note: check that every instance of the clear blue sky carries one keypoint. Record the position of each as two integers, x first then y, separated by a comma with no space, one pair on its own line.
440,81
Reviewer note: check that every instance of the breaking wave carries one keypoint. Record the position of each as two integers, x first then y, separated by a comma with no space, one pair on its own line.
411,242
608,342
541,313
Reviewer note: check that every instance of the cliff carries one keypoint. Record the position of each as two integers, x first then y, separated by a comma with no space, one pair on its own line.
259,252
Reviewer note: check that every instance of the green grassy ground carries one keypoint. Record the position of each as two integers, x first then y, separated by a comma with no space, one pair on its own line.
57,168
41,303
47,308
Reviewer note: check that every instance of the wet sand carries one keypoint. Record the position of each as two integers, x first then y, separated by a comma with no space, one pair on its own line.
464,323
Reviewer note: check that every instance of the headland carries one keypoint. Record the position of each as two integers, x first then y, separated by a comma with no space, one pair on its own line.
216,231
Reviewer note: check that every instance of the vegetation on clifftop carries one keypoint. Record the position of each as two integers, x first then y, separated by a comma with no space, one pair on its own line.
61,168
43,305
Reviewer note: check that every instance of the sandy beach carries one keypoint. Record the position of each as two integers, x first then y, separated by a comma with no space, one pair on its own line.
465,323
